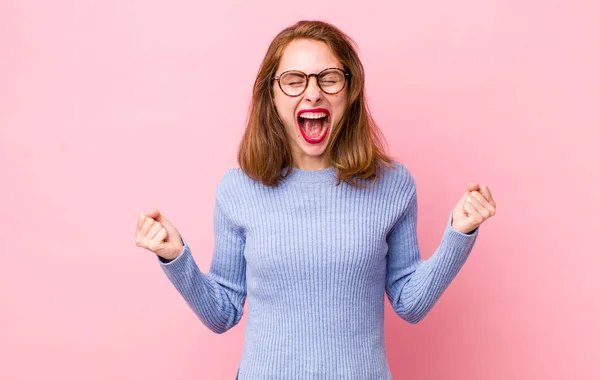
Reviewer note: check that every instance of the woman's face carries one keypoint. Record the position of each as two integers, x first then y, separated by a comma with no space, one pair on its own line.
310,117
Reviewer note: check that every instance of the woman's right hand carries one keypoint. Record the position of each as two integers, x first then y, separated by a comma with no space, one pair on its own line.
156,234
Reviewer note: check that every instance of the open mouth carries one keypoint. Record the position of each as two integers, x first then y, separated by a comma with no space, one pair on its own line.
314,124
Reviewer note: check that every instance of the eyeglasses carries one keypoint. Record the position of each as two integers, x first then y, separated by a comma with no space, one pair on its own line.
293,82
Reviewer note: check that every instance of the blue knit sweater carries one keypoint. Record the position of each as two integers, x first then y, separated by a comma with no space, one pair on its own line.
313,260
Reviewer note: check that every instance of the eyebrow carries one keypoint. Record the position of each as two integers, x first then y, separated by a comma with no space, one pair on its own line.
329,67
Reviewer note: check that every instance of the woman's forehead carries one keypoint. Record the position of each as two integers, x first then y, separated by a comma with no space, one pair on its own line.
309,56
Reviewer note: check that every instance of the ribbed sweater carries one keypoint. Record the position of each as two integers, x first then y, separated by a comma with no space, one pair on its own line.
314,259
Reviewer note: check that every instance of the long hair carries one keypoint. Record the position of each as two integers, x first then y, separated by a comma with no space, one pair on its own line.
354,148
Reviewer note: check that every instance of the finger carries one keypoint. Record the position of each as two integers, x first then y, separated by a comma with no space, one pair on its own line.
481,212
154,213
140,239
162,234
153,230
140,222
463,202
159,240
484,202
470,210
146,226
485,191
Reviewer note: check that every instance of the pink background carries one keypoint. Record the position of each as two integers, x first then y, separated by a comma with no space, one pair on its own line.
110,108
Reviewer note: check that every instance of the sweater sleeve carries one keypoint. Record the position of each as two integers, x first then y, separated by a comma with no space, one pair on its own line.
216,297
413,285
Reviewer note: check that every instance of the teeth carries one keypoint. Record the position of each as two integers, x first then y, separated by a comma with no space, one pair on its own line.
313,115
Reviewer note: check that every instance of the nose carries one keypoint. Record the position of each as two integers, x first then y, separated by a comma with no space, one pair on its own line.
313,92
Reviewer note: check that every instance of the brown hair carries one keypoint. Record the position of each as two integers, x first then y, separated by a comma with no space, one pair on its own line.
354,148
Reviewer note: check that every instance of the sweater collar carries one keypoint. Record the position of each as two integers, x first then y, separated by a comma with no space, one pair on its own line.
321,175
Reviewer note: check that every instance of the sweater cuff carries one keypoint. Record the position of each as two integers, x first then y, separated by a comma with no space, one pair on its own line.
458,243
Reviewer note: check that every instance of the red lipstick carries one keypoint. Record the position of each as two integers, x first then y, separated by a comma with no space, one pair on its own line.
321,137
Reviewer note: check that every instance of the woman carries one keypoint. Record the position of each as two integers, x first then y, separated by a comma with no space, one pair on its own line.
316,224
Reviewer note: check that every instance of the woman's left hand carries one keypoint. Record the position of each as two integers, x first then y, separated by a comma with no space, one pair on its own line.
474,208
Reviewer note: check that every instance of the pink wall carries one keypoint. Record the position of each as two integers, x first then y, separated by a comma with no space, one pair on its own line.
110,108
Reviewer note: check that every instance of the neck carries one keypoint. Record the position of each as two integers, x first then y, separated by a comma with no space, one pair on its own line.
311,163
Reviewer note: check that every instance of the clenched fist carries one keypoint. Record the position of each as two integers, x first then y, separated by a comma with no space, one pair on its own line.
155,233
476,205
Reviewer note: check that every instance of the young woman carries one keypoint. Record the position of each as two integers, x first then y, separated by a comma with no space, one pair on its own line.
316,224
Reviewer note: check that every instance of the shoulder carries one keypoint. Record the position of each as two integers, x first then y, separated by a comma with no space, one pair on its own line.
230,179
398,179
233,185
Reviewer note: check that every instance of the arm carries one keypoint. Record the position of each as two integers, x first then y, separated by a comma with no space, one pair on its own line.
413,286
217,297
